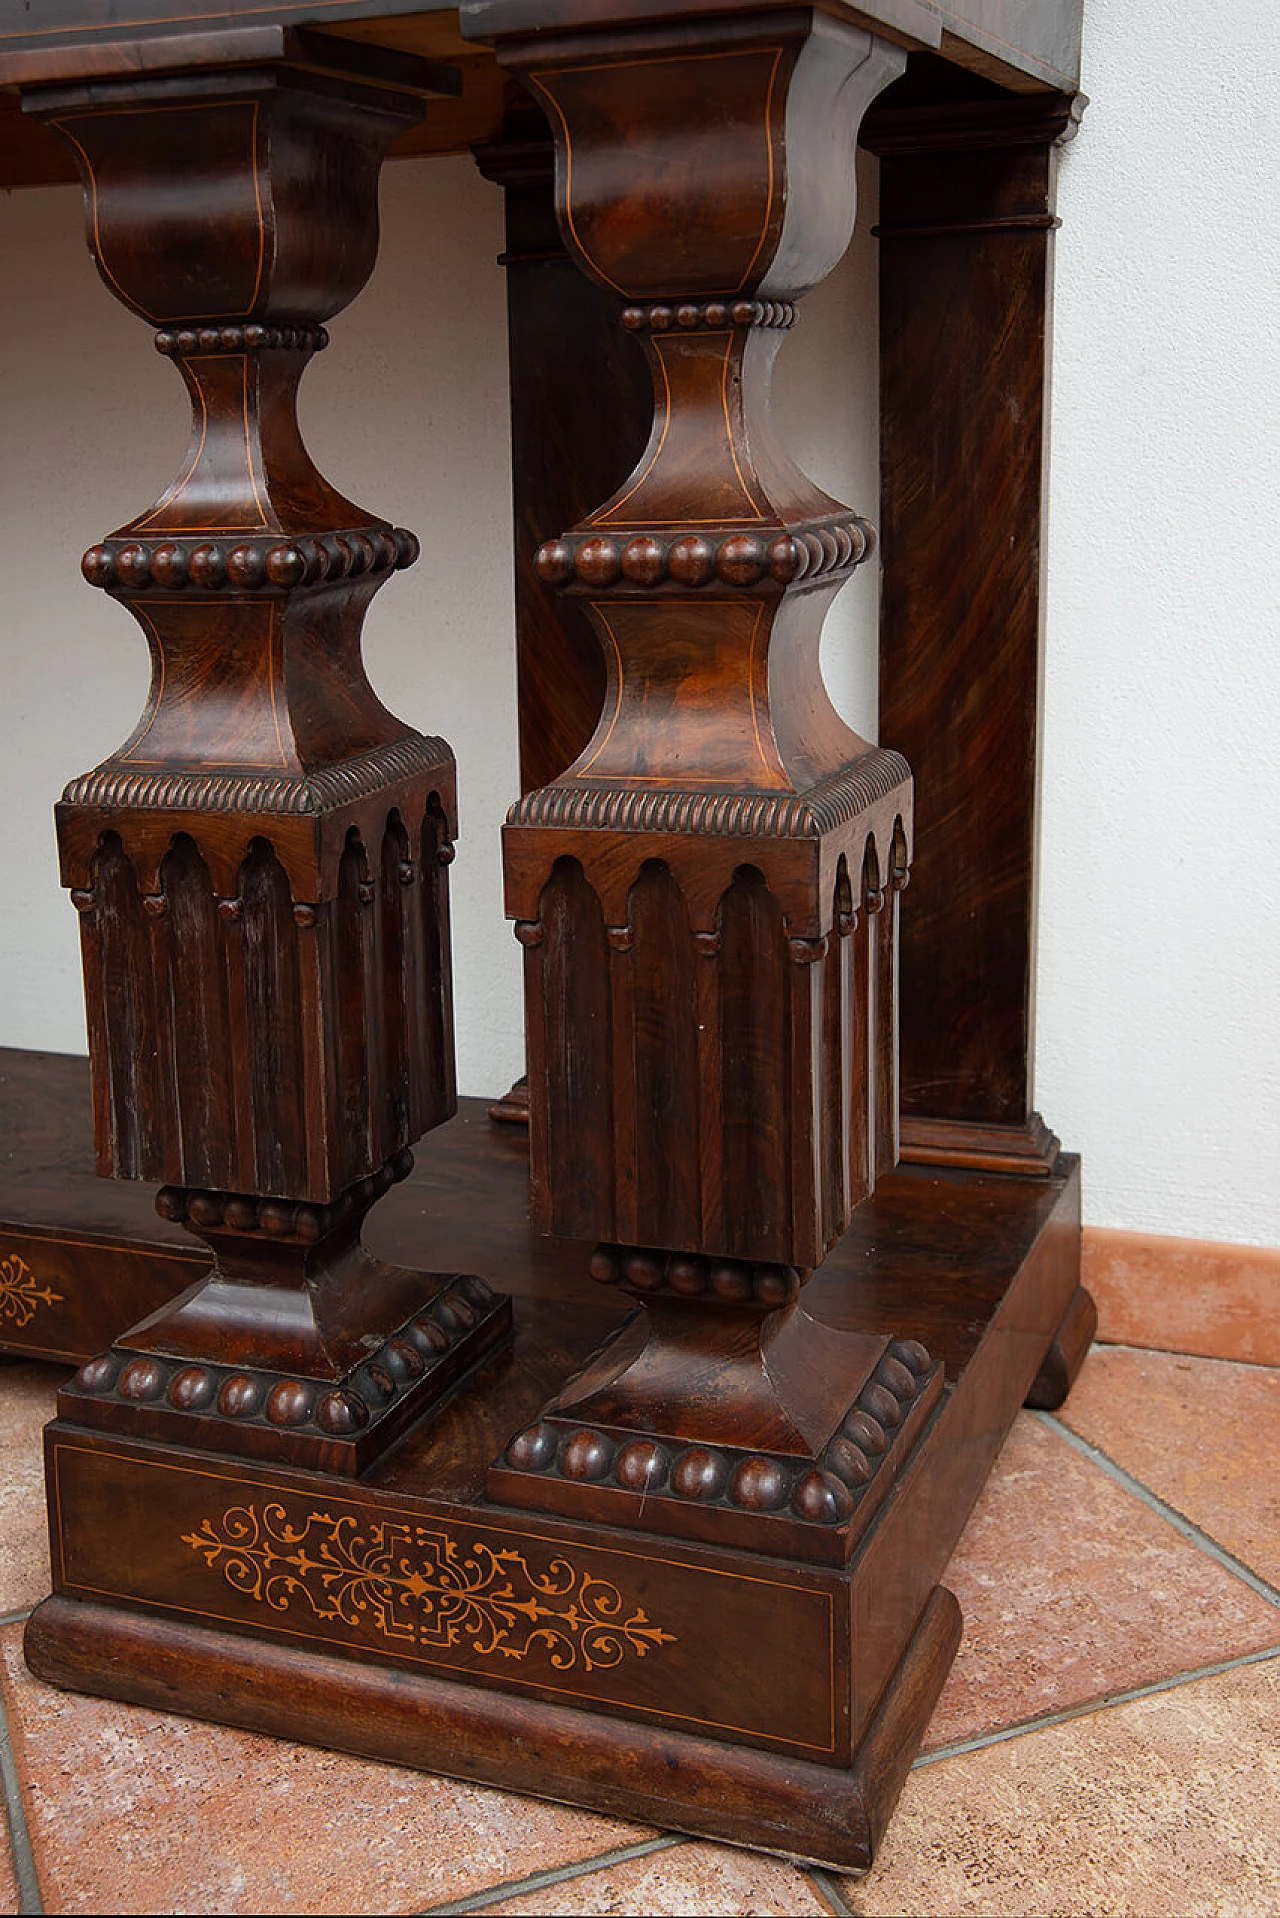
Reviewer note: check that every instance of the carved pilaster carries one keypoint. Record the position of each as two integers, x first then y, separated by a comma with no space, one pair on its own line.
967,194
260,870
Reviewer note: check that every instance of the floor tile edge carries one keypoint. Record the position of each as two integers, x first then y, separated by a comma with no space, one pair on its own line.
24,1863
556,1875
1170,1513
1104,1702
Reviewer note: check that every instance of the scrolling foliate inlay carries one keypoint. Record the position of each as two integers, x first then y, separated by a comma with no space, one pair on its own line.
411,1583
21,1295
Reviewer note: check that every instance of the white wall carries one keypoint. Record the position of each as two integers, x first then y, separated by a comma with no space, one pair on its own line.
1159,924
1159,975
406,413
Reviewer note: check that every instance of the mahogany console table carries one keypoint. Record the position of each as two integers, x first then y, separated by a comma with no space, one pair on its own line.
426,1490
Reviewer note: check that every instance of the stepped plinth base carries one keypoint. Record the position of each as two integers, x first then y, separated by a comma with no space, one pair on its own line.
299,1346
722,1411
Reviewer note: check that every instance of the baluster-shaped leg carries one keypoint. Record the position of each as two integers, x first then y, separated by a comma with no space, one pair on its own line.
707,897
260,869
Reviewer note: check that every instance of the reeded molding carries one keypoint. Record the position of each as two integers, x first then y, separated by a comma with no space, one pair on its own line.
309,794
833,803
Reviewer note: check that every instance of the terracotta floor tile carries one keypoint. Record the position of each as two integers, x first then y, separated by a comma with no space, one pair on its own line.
27,1394
1169,1804
1184,1295
1071,1589
707,1879
1202,1433
137,1811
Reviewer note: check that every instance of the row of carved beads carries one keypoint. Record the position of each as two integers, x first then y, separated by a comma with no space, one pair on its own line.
245,1397
692,559
189,341
247,565
690,1276
279,1218
691,315
851,1458
825,1494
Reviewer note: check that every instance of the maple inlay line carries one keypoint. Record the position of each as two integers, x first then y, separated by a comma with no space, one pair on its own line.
411,1582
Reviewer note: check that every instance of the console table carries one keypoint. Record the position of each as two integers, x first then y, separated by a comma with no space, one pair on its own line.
621,1468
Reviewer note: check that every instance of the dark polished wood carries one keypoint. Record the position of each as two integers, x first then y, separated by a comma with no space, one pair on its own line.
675,1546
978,165
707,895
174,1605
967,179
1066,1355
1013,43
467,1200
736,1793
80,1257
568,451
260,870
1023,44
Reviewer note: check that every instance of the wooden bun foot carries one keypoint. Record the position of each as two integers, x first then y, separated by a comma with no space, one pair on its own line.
1066,1354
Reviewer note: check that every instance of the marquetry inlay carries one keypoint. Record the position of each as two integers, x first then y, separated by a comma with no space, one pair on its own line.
411,1582
21,1294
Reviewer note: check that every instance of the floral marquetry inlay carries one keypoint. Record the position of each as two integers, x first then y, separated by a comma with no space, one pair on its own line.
412,1583
21,1295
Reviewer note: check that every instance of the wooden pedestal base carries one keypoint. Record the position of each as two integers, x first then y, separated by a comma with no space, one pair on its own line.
650,1435
406,1614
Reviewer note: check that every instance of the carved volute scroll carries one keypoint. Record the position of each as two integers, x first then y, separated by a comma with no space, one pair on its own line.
707,896
260,868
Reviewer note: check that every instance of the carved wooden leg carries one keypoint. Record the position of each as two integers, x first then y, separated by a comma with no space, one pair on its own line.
707,897
260,869
1061,1366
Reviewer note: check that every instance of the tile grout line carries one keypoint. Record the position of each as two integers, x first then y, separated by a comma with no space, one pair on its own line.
1176,1352
560,1874
1101,1704
828,1886
825,1882
1155,1503
24,1864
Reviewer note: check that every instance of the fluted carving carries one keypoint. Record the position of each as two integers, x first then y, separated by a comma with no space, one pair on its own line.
721,1086
209,1003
